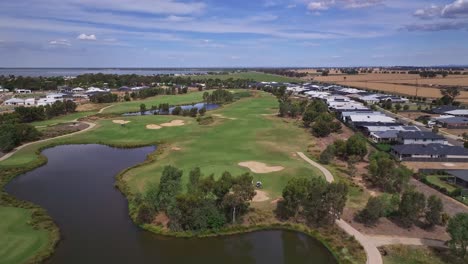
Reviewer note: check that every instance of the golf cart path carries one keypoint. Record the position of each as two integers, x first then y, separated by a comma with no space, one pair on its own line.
11,153
104,108
372,253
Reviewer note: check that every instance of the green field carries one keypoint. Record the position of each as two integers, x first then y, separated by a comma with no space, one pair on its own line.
134,106
18,240
418,255
255,76
63,119
437,180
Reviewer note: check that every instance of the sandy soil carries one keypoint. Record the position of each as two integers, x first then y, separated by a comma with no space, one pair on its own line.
173,123
121,122
259,167
153,127
260,196
176,148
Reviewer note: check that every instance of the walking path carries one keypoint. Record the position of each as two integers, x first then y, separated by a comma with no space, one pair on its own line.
373,254
104,108
11,153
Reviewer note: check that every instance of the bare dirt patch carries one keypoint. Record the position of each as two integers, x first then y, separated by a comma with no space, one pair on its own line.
259,167
260,196
173,123
161,219
221,116
120,122
176,148
153,127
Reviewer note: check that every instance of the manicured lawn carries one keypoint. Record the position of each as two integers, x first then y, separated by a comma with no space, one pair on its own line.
18,240
251,134
438,180
255,76
418,255
134,106
63,119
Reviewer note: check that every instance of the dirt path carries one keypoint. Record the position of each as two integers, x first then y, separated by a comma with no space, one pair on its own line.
11,153
104,108
392,240
373,254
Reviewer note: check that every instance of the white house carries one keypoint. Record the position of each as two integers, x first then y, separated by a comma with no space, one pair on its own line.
14,101
47,101
420,137
30,102
56,96
23,91
78,90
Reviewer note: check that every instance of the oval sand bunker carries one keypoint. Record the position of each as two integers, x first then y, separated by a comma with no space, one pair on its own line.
120,122
174,123
260,167
153,127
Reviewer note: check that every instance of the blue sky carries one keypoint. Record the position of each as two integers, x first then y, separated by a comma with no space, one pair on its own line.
249,33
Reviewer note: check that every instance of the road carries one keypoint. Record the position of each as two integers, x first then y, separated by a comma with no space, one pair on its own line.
372,253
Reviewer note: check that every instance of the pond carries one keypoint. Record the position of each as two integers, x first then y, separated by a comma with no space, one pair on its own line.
208,107
76,187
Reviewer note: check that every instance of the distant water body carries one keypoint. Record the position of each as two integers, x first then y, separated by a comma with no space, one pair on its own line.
51,72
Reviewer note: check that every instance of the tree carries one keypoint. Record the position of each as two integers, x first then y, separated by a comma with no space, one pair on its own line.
327,155
169,187
194,180
458,230
372,212
386,174
241,192
356,146
434,211
452,93
202,111
193,112
398,107
142,108
411,207
177,110
294,193
406,107
321,128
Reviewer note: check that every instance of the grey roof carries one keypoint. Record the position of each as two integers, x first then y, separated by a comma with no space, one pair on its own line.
430,149
460,174
443,109
386,134
419,135
454,120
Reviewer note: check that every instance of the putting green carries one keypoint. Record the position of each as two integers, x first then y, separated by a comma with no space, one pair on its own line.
18,240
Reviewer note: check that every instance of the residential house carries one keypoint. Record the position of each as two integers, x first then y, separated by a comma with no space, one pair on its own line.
23,91
30,102
14,102
453,122
460,177
420,137
430,153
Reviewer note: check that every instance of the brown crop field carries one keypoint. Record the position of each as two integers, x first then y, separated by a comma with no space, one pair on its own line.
448,81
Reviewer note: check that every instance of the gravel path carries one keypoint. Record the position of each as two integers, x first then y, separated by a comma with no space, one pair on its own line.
373,254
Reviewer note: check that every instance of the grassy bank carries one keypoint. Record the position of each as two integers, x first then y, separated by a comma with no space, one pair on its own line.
246,130
418,255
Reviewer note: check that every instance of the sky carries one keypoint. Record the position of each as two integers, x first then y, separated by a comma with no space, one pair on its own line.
233,33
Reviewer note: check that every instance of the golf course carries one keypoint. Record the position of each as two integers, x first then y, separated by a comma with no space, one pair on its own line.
243,136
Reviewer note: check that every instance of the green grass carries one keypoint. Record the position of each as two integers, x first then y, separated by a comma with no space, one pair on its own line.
438,180
18,240
63,119
418,255
255,76
134,106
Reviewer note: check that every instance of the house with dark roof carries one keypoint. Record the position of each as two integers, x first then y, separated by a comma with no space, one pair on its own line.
441,110
430,153
454,122
420,137
390,136
460,177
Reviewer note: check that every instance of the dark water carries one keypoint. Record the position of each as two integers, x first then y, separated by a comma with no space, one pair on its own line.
76,187
51,72
184,107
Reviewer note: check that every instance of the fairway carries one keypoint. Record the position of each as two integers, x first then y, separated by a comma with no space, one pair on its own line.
18,240
134,106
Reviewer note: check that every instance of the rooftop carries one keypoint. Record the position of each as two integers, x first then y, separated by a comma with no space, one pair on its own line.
430,149
419,135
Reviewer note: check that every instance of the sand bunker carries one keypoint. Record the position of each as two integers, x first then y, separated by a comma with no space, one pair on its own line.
260,196
449,165
120,122
259,167
221,116
153,127
174,123
176,148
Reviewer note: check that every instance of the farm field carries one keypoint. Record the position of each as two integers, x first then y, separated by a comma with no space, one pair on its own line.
19,240
255,76
456,80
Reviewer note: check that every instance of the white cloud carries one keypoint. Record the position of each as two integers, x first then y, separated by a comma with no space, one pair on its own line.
459,8
316,6
60,42
145,6
86,37
429,12
173,18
